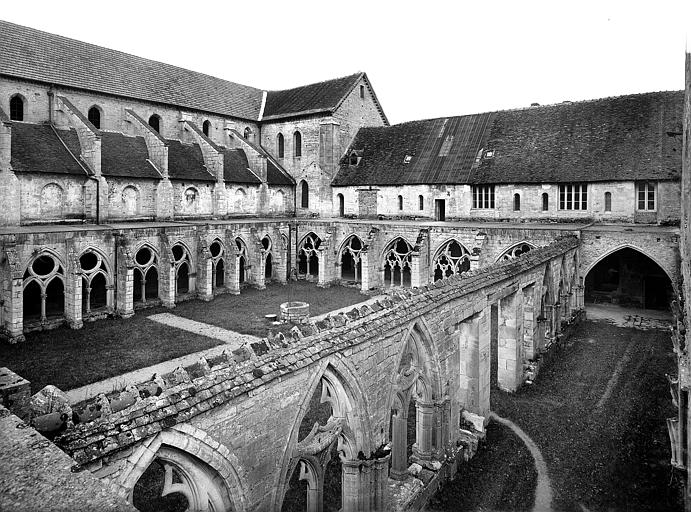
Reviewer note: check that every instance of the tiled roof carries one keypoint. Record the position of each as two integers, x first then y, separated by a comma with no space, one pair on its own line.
312,98
236,167
125,157
610,139
36,55
37,148
275,176
185,162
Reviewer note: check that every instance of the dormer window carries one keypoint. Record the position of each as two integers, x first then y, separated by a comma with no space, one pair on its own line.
489,153
407,159
354,159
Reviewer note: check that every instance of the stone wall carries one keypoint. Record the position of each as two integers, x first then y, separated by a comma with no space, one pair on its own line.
459,203
249,412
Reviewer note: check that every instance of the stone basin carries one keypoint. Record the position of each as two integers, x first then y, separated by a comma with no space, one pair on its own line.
295,311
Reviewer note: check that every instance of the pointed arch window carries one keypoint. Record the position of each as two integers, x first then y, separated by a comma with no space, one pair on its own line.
17,108
280,144
94,116
297,144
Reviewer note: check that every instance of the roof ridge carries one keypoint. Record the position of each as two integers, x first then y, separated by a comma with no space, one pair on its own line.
53,34
520,109
358,74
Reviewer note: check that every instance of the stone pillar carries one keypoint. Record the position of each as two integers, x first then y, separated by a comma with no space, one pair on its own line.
565,307
529,324
365,486
484,360
233,275
366,269
73,298
281,263
422,449
205,278
469,382
322,278
260,278
442,431
415,278
474,260
509,342
399,443
124,279
166,283
14,310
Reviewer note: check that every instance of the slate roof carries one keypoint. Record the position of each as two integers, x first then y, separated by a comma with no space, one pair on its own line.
125,157
316,98
186,162
275,176
36,55
624,138
37,148
236,167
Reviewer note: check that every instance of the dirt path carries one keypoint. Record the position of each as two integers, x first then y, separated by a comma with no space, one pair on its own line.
543,490
596,414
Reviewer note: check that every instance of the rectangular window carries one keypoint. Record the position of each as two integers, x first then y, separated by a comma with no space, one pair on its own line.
483,196
573,196
646,195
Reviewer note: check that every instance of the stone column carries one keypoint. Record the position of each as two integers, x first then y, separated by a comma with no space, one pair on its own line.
365,486
529,324
124,279
233,274
442,423
399,443
366,269
415,278
260,277
322,278
469,366
205,278
73,299
166,283
281,263
425,423
14,310
484,360
509,342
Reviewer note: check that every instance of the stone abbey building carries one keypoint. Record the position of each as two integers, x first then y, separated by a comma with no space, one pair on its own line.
129,183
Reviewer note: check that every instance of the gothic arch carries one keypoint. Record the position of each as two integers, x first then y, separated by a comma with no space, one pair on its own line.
200,448
448,260
91,275
347,400
635,248
350,253
308,255
396,260
516,250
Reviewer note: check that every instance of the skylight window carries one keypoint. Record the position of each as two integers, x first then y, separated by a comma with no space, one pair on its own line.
407,159
446,146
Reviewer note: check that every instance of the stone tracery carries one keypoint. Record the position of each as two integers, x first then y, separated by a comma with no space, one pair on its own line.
451,258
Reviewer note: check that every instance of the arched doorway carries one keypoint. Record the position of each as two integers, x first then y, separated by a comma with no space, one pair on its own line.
629,278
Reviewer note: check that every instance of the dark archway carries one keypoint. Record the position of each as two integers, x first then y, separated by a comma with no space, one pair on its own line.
268,268
220,278
630,278
183,279
32,301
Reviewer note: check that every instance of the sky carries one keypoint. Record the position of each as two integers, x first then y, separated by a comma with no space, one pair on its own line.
425,59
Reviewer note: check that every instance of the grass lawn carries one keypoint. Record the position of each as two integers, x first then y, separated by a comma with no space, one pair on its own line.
70,358
244,313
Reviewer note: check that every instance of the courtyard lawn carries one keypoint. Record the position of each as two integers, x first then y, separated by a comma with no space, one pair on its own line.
244,313
70,358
